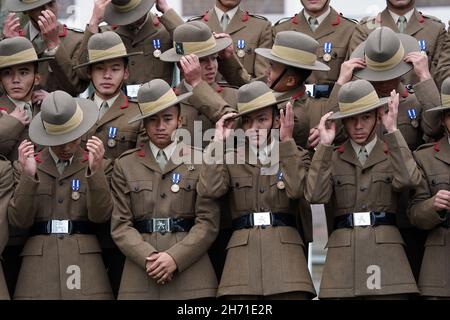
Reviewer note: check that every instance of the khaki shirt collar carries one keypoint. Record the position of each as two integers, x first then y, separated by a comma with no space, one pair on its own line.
98,101
231,13
168,151
55,157
320,18
407,15
369,147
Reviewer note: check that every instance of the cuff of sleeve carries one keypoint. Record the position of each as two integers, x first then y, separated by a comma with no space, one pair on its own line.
96,180
395,140
323,152
288,149
27,185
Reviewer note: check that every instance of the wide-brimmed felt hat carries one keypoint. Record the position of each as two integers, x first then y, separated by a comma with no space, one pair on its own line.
194,37
24,5
106,46
18,50
384,51
254,96
294,49
445,97
156,96
357,97
125,12
62,119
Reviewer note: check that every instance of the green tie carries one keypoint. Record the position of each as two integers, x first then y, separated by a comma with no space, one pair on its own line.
103,109
61,165
401,23
313,23
161,159
362,155
224,21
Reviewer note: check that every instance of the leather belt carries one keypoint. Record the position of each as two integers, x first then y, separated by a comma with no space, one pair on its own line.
362,219
319,90
62,227
163,225
264,219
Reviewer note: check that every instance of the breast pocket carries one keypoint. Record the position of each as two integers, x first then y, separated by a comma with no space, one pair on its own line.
185,199
242,193
248,60
439,182
382,183
45,200
279,196
141,196
154,66
337,58
345,191
411,134
125,140
78,206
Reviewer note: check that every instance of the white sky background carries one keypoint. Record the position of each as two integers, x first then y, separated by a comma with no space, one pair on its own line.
350,8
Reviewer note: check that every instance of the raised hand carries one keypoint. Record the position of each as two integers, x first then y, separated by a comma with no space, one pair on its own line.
389,119
347,69
26,158
98,14
420,64
21,115
228,52
192,70
48,24
11,27
96,153
327,129
286,123
224,127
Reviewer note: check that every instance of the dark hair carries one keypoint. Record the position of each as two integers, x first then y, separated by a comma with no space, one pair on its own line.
300,74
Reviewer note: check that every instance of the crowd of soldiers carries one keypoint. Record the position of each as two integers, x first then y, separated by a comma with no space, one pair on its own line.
148,189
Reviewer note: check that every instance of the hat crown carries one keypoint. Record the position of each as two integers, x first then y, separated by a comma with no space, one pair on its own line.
252,91
194,31
445,87
58,108
382,44
354,91
104,41
153,90
296,40
10,46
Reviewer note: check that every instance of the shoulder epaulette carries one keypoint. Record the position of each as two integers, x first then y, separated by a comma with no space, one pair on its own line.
129,152
348,19
194,18
258,16
431,17
75,29
425,146
282,20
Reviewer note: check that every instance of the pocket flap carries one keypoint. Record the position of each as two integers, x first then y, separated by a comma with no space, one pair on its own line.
137,186
382,177
239,238
439,179
126,136
188,184
33,247
289,235
241,182
436,237
339,238
344,180
88,244
388,234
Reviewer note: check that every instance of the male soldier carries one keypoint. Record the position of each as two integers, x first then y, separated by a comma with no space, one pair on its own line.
382,59
264,177
196,51
18,76
430,206
366,257
402,17
159,222
61,193
332,30
50,38
108,69
248,32
443,69
6,192
141,31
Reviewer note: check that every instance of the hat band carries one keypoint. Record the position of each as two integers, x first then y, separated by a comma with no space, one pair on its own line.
110,53
71,124
129,6
29,1
360,104
18,58
167,98
195,47
388,64
294,55
264,100
445,99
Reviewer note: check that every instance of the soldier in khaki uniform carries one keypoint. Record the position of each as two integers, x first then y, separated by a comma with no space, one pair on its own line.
443,69
430,209
264,177
6,192
332,30
159,221
248,32
196,51
382,59
108,68
60,194
141,31
405,18
363,178
50,38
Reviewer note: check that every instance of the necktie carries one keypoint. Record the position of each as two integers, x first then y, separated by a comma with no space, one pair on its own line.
61,165
224,21
313,23
161,159
401,23
27,109
362,155
103,109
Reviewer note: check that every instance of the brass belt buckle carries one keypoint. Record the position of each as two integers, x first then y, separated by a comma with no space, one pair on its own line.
361,219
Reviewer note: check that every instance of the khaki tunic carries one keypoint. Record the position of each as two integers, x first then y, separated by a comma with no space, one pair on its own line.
434,161
335,29
261,261
443,69
420,26
340,178
6,192
255,30
47,259
142,191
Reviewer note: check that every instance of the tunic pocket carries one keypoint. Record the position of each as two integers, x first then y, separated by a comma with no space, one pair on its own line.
434,269
293,260
185,199
439,182
242,193
31,275
45,198
345,191
382,182
236,269
142,198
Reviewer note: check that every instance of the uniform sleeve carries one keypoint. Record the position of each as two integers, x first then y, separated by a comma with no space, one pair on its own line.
359,35
421,210
294,165
10,131
440,44
442,70
99,199
265,41
405,171
234,72
171,20
127,238
429,97
6,191
319,187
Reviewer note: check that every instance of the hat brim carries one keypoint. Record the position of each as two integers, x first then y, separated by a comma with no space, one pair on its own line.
440,108
19,6
180,98
338,115
114,17
267,53
409,43
261,107
39,135
172,56
106,59
27,62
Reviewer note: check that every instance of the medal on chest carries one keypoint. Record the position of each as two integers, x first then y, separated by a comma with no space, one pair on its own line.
280,183
157,47
112,133
75,186
327,47
176,177
412,115
241,47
